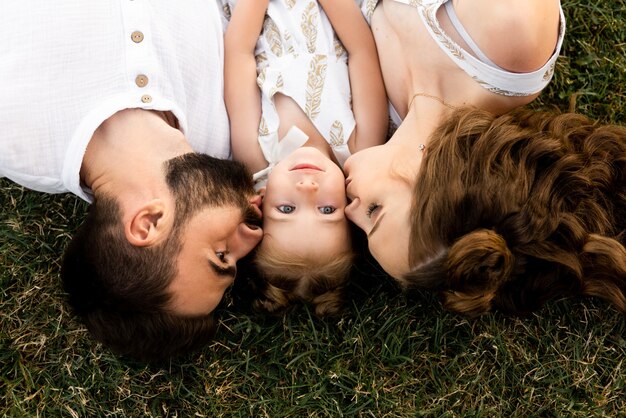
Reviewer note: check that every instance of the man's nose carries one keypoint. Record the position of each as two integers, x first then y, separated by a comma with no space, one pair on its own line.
256,202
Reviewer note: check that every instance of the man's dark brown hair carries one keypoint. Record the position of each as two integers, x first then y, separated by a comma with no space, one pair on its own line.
120,290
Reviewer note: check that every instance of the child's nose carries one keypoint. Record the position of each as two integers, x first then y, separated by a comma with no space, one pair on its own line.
307,185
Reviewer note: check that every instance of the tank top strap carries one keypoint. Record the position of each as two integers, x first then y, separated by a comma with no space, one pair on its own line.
478,65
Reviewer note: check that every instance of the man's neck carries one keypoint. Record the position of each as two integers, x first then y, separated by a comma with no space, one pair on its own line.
127,152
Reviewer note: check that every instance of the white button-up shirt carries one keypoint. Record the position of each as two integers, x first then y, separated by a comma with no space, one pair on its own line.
67,65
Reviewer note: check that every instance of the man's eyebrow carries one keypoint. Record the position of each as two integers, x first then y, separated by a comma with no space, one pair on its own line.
380,218
229,271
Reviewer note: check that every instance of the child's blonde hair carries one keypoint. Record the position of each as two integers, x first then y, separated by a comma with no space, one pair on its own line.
289,278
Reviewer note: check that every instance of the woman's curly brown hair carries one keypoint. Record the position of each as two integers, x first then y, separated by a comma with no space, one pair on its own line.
511,211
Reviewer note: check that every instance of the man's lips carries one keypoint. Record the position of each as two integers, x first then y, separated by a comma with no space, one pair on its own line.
305,166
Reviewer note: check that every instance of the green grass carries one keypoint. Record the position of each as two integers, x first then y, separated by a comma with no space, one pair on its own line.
388,355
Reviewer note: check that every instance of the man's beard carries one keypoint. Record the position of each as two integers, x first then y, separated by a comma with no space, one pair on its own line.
199,181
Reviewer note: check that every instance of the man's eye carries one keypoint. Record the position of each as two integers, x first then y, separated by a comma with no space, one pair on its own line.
327,210
286,208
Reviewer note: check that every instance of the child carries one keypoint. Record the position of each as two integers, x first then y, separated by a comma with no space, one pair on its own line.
295,98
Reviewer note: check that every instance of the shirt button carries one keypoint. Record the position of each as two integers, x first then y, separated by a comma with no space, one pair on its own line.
146,98
141,80
136,36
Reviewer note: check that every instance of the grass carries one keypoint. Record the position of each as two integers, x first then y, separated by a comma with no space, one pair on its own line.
388,355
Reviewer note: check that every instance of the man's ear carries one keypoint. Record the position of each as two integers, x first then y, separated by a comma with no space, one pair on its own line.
146,225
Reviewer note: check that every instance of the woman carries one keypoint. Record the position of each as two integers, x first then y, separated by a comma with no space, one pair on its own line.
435,56
510,211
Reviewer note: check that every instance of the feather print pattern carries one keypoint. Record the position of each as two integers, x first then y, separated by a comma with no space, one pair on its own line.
315,85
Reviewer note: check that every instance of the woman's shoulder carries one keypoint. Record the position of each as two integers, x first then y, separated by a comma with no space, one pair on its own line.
527,30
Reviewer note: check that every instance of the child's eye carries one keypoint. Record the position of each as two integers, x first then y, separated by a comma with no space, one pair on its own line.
286,208
373,207
327,210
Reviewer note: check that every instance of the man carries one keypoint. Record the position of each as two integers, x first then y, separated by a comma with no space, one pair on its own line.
108,100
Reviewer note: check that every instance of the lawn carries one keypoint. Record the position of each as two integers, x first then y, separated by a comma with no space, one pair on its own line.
388,355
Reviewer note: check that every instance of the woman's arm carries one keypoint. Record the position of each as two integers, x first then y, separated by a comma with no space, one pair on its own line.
369,100
241,93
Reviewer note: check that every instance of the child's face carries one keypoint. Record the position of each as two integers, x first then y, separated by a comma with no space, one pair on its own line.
304,202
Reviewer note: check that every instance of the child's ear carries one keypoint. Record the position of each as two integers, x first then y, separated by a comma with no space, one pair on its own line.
261,192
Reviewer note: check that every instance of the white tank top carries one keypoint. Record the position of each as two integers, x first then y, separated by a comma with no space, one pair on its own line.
479,67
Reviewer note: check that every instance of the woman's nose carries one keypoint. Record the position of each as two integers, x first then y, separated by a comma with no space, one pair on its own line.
354,214
351,208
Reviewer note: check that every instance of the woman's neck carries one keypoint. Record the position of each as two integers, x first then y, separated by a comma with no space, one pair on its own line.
424,113
410,141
